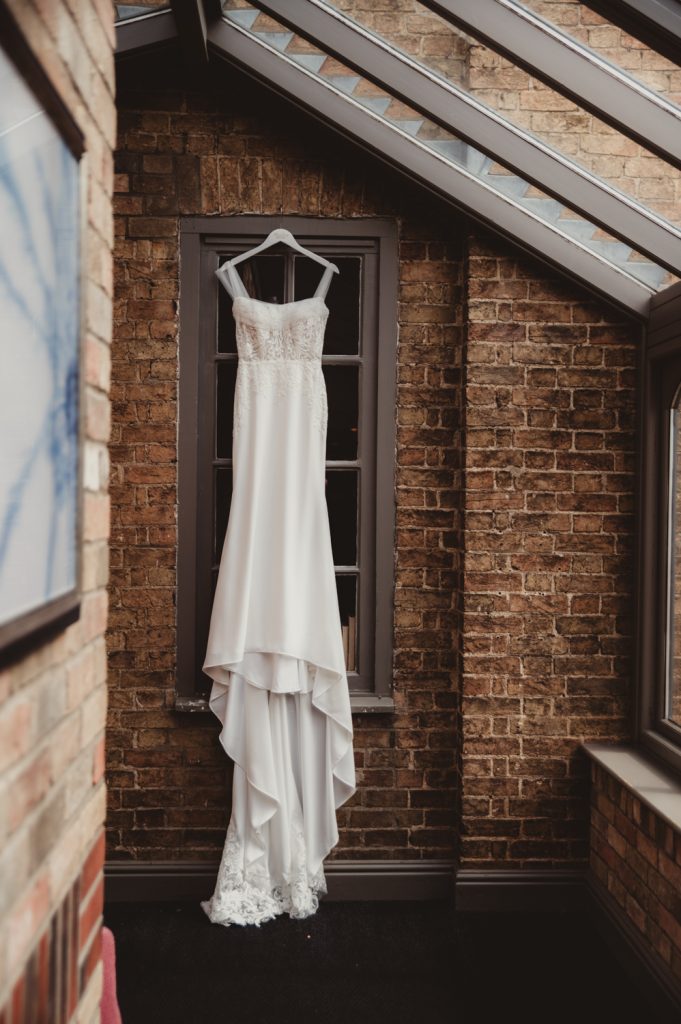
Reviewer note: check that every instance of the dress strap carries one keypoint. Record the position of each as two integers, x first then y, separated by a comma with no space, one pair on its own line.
323,285
237,284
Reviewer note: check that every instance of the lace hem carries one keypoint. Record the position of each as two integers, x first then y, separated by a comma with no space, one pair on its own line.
251,897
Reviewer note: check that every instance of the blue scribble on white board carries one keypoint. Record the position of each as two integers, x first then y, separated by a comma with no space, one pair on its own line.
39,352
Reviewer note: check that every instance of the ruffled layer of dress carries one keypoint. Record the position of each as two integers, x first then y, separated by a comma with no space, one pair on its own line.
287,726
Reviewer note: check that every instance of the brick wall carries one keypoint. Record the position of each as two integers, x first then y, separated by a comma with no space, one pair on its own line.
548,567
52,703
56,977
636,856
237,149
547,439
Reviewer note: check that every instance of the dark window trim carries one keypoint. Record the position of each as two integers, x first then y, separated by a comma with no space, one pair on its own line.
201,238
27,632
660,370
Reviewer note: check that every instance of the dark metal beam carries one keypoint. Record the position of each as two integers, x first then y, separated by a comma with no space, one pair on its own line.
135,35
417,161
570,68
657,23
191,26
469,119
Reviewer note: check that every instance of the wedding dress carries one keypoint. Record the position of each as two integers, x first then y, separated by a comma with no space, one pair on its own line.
275,648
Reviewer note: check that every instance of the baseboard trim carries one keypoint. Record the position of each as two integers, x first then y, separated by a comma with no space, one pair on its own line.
581,892
140,881
519,890
470,890
650,972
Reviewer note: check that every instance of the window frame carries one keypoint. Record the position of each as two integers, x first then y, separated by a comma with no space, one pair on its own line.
202,241
660,380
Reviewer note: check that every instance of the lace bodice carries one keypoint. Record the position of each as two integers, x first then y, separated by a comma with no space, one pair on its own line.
270,332
280,350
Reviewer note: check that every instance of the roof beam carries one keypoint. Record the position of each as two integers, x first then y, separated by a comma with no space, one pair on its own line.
191,29
456,185
570,68
191,26
469,119
657,23
134,35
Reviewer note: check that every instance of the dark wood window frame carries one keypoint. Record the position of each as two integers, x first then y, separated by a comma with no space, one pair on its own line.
660,382
202,242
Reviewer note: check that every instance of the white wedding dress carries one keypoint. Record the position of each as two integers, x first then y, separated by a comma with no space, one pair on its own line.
275,648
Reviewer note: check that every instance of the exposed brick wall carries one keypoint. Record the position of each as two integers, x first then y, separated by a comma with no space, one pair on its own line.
636,856
548,567
548,440
56,977
232,150
52,703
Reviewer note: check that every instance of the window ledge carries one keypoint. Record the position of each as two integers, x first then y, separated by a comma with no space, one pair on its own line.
651,782
360,703
371,703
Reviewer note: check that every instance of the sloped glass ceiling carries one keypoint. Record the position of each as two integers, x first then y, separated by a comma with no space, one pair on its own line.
533,106
440,47
126,11
612,44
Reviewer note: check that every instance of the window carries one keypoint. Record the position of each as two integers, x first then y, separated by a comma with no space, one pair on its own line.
359,369
659,617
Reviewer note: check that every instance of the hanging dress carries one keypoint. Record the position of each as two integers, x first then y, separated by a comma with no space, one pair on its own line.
275,648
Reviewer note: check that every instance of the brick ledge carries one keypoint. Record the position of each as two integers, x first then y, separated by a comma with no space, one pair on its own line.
651,782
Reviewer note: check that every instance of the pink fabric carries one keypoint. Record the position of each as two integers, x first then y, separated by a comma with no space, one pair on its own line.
110,1011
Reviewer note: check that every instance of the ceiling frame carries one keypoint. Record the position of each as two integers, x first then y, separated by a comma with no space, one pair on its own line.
571,69
469,119
135,35
657,23
456,185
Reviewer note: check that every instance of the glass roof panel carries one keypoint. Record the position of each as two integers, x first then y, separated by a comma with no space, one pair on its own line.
528,103
126,11
450,149
612,44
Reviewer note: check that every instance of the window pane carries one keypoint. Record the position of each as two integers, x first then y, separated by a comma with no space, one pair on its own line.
263,276
611,43
342,389
222,492
125,11
532,106
674,621
342,298
341,499
347,602
224,418
226,325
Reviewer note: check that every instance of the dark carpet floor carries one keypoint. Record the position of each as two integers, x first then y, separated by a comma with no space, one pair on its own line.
368,963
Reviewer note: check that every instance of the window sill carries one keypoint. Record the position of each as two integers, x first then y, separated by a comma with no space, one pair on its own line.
371,703
651,782
360,703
